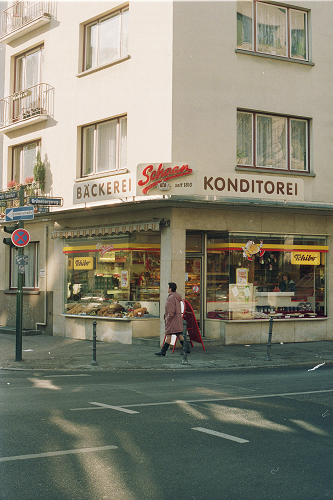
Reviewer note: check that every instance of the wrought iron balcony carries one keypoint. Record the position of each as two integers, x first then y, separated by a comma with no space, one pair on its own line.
26,107
23,17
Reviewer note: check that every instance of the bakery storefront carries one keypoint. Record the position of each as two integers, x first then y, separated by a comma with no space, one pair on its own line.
235,279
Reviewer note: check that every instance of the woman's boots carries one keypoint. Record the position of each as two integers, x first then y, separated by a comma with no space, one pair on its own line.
188,347
163,350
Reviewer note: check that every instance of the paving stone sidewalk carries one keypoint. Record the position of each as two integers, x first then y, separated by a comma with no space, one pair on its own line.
41,352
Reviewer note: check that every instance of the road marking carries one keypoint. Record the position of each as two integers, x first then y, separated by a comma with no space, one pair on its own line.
118,408
75,375
57,453
221,435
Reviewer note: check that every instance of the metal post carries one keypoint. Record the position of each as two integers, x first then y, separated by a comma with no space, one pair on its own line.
19,293
184,361
269,344
94,362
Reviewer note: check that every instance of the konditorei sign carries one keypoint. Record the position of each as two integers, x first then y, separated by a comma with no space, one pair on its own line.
181,179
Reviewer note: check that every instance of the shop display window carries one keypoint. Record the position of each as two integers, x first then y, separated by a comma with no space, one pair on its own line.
114,276
263,275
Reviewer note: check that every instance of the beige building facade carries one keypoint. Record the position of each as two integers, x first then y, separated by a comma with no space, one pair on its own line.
180,141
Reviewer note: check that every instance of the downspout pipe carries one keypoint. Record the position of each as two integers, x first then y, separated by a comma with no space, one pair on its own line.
46,233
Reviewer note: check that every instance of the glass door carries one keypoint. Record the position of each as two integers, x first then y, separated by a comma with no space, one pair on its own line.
193,280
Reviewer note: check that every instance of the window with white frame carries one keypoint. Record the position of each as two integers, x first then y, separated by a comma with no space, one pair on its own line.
28,69
272,141
23,161
106,39
273,29
30,276
104,146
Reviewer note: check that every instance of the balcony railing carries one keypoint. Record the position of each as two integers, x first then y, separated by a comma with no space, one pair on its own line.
33,102
23,14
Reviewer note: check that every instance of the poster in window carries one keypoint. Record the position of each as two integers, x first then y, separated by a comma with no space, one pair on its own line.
242,276
124,279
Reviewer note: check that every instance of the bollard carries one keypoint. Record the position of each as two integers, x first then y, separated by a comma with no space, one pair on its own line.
94,362
184,361
269,344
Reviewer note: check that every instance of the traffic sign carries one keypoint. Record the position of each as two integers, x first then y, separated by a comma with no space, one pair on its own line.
19,213
22,260
20,237
43,200
9,195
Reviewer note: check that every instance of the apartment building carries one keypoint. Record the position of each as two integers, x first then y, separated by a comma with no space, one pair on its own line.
180,141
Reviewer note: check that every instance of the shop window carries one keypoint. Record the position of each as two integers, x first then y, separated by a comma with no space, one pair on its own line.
255,277
272,142
23,162
106,39
104,146
272,29
30,276
103,272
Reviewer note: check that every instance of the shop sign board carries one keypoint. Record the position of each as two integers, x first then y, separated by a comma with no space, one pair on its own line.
236,185
104,189
165,178
306,258
83,263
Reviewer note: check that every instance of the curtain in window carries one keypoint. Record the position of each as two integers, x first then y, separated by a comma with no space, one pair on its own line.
29,155
244,139
298,23
109,40
106,146
244,25
124,33
29,270
91,46
271,142
123,143
298,145
271,29
88,150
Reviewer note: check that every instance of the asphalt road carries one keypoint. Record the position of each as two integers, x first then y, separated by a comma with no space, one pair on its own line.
140,435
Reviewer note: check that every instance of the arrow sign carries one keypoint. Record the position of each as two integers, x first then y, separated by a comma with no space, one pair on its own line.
20,238
19,213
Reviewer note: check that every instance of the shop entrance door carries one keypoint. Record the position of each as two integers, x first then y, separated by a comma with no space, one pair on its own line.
193,281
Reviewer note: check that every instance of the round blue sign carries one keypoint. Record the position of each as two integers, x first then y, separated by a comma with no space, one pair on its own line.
20,237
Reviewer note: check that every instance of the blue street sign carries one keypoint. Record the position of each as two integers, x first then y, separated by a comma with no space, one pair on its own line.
22,260
19,213
9,195
43,200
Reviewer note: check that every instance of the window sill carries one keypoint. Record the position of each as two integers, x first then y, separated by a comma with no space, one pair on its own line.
99,68
270,56
25,292
274,172
92,177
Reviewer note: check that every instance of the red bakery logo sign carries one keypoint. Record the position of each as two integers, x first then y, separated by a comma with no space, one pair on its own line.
158,175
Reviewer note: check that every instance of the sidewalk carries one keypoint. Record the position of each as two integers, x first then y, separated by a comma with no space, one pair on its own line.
41,352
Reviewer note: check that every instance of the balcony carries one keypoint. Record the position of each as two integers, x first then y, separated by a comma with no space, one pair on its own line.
26,107
23,17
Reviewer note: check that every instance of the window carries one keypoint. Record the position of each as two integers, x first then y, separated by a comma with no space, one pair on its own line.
28,69
104,146
106,40
30,279
272,29
23,161
272,141
249,276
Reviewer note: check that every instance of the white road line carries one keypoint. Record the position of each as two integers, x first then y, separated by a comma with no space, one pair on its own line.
57,453
230,398
75,375
221,435
118,408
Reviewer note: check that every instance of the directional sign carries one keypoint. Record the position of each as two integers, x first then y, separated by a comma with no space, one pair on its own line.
43,200
19,213
9,195
20,237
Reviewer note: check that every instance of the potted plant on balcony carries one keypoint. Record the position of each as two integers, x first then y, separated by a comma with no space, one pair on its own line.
39,172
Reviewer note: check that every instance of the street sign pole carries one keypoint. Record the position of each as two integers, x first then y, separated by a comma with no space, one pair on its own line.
19,293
